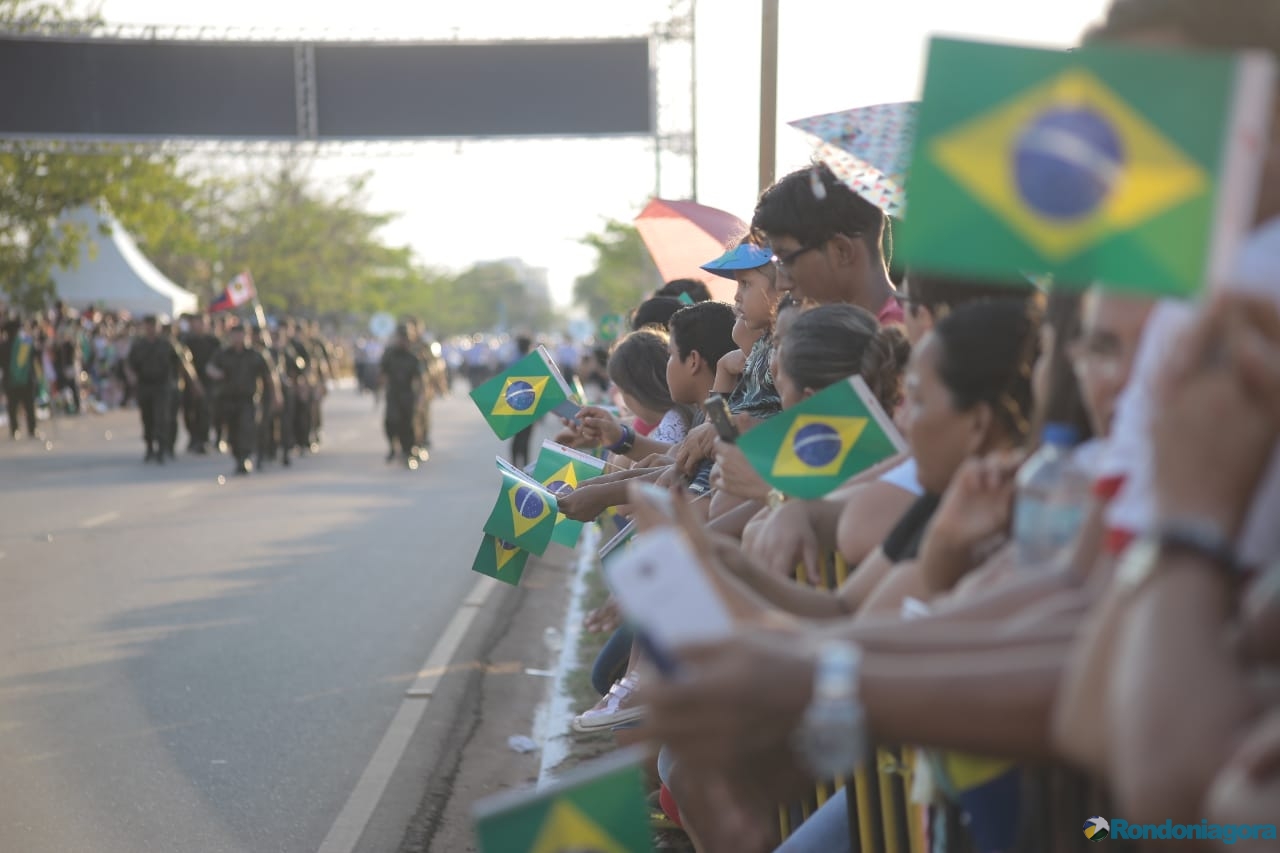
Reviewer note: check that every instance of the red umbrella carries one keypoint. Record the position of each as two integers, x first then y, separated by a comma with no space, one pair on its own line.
683,235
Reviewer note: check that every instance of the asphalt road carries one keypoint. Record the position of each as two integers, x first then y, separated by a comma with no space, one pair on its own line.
194,666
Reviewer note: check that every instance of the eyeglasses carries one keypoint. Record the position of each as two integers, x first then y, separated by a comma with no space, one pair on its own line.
784,262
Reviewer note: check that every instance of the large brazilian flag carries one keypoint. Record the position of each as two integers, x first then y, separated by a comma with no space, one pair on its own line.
1136,168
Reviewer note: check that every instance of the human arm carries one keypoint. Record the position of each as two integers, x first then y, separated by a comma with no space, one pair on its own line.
728,371
601,428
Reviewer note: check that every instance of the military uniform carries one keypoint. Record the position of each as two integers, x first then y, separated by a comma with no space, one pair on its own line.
196,411
246,379
403,372
156,363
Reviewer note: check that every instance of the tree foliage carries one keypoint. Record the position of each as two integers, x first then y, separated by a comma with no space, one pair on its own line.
624,272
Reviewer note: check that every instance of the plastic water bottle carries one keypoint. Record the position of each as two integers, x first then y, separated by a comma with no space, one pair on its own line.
1053,497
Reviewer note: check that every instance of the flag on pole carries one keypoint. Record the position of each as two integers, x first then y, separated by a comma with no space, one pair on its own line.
237,293
562,469
500,560
1087,165
813,447
525,514
598,807
523,393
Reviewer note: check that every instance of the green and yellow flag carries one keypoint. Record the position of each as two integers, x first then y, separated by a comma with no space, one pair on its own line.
523,393
562,469
500,560
525,515
598,808
813,447
1087,165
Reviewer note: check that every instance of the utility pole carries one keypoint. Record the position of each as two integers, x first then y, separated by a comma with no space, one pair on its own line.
768,93
693,94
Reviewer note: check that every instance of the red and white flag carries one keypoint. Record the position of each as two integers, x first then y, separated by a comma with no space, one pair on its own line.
238,292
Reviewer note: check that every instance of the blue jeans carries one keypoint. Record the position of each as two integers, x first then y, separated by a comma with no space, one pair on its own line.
611,663
826,830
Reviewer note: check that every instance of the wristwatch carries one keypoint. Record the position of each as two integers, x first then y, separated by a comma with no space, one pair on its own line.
775,499
1200,537
625,443
831,739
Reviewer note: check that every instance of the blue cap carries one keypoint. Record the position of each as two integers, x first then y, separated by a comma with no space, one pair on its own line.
744,257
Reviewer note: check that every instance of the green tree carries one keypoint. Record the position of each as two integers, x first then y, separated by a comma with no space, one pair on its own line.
624,272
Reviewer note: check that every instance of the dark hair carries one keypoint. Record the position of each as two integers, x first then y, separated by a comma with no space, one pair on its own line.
1228,25
655,312
988,350
705,328
833,342
941,294
638,366
790,208
697,290
1063,404
524,344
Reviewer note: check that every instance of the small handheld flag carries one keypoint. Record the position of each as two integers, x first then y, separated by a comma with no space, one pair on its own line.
562,469
237,293
523,393
813,447
1087,165
598,807
500,560
525,514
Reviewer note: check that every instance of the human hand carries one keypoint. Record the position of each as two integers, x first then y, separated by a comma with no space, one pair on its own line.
786,538
737,702
977,507
1217,414
655,460
585,503
1246,789
598,426
605,619
1260,619
733,474
730,367
697,446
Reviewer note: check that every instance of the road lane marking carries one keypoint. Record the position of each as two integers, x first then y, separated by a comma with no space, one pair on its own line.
99,520
354,817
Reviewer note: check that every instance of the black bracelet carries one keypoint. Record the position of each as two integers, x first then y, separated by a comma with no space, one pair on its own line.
625,443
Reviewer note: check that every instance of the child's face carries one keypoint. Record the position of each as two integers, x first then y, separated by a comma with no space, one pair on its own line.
756,300
682,376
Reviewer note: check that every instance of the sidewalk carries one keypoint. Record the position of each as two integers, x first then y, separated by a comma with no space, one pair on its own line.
498,698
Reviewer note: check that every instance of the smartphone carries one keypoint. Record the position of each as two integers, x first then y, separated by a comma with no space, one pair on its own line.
666,595
717,409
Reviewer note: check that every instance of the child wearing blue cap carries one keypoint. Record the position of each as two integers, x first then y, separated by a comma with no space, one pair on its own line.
756,304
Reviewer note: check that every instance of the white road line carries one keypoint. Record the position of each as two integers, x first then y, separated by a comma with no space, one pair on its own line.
350,824
99,520
182,492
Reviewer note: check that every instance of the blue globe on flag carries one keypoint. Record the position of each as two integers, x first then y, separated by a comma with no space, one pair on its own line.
817,445
520,396
1067,162
559,488
529,503
1097,828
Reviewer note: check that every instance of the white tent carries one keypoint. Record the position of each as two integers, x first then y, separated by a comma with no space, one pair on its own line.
115,274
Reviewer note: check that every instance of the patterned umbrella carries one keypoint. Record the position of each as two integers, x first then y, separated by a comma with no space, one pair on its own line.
683,235
869,149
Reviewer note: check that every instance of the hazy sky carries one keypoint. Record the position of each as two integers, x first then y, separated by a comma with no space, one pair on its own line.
534,199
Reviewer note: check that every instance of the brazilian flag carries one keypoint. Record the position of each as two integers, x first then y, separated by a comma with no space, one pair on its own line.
525,515
1136,168
523,393
599,807
813,447
500,560
562,469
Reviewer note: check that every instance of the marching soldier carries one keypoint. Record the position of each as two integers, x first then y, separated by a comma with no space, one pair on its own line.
246,380
196,409
155,365
401,372
270,430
